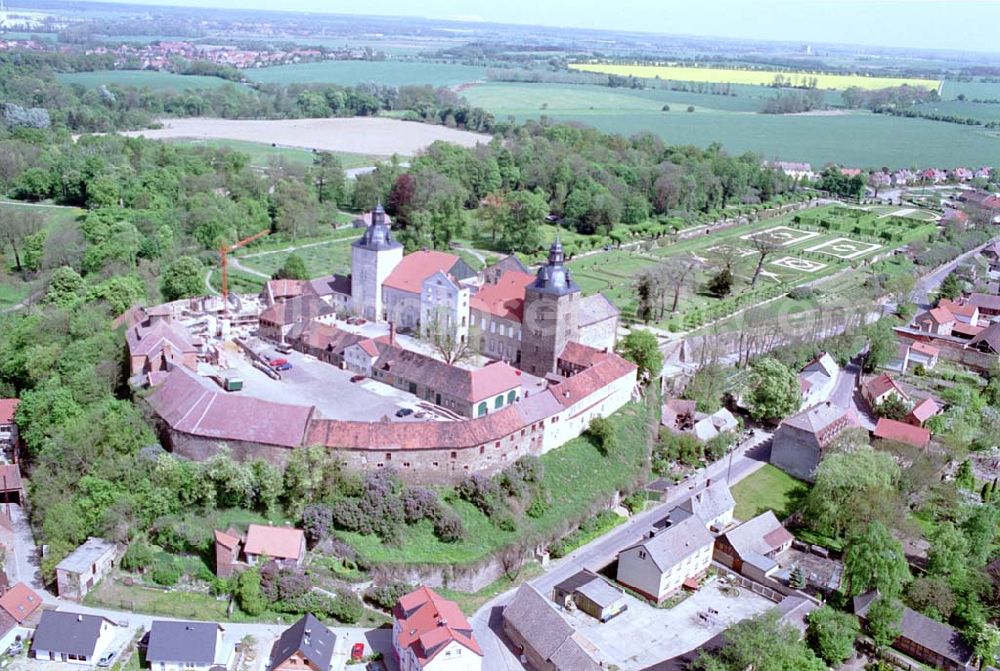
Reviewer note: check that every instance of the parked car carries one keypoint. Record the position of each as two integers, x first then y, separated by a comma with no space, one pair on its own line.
106,659
357,378
284,348
404,412
284,366
278,362
17,647
360,321
357,652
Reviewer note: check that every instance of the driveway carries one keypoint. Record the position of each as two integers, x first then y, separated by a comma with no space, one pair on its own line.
22,555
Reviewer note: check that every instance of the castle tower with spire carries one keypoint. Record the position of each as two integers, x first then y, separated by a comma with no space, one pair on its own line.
373,256
550,307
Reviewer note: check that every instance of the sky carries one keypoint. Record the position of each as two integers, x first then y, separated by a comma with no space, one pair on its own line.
967,25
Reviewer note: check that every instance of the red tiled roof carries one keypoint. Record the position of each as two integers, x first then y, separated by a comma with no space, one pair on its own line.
969,330
939,315
505,299
285,288
964,309
890,429
878,386
495,378
584,383
144,341
416,267
227,541
10,478
20,602
275,542
924,348
8,406
369,347
582,355
925,410
428,623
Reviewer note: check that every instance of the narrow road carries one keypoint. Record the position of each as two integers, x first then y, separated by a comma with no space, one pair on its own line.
929,283
487,622
208,283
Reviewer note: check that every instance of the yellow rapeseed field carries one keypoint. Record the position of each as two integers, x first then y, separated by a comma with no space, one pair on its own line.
734,76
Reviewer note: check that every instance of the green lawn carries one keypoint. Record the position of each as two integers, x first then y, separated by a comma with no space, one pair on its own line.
261,153
155,80
768,489
578,476
13,288
333,256
387,73
861,139
471,602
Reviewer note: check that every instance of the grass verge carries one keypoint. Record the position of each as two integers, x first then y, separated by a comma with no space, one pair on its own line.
768,489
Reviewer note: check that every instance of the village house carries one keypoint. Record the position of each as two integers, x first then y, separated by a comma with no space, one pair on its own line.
178,646
75,638
714,505
963,311
19,613
916,353
881,388
83,568
284,545
922,412
157,343
307,645
667,559
800,440
939,321
591,594
818,379
543,638
901,432
988,305
8,427
988,340
227,552
755,547
924,639
278,320
431,633
11,487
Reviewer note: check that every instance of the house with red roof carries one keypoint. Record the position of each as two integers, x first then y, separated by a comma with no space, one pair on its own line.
496,311
939,321
8,427
227,552
159,344
917,353
922,412
282,544
878,389
403,291
431,633
900,432
963,311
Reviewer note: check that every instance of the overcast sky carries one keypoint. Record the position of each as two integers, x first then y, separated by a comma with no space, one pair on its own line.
942,24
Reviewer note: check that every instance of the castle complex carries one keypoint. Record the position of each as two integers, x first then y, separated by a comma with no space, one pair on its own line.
550,364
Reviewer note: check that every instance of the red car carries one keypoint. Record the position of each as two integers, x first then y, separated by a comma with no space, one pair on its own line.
358,652
278,362
357,378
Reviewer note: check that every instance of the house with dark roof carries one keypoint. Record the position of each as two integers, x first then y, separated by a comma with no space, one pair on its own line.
592,594
63,636
11,487
755,547
925,640
176,646
543,638
988,340
667,559
305,646
278,320
800,440
157,344
714,505
901,432
83,568
430,633
492,274
988,304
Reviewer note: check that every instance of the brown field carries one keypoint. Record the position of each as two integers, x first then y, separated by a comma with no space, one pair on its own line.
359,135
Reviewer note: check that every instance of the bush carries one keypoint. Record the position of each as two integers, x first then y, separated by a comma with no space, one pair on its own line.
317,522
386,596
448,527
166,571
635,502
346,608
419,503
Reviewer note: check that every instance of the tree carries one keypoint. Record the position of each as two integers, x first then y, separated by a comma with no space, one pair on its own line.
893,407
294,268
450,345
948,552
721,284
677,272
882,345
984,639
764,245
524,213
874,560
883,620
774,390
328,177
603,432
66,287
951,286
182,278
248,592
762,644
831,634
641,348
16,227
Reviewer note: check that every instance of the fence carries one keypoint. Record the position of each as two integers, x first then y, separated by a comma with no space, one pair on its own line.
773,591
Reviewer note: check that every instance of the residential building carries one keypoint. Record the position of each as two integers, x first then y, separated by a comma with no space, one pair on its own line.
901,432
591,594
20,602
543,638
917,353
667,559
278,321
11,487
939,321
282,544
8,427
444,309
963,311
361,356
305,646
86,566
430,632
63,636
156,343
754,547
818,379
405,294
988,304
925,640
227,552
714,505
922,412
177,646
492,274
881,388
988,340
800,441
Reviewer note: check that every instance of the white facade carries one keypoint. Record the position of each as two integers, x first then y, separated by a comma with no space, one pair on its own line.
572,421
358,360
223,657
369,269
454,657
101,646
444,307
637,570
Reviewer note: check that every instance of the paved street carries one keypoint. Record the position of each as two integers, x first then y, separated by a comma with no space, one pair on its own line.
746,459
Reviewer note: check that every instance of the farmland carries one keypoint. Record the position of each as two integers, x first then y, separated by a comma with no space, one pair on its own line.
854,138
735,76
388,73
261,154
152,79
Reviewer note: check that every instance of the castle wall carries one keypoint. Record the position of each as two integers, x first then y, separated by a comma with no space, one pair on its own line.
599,335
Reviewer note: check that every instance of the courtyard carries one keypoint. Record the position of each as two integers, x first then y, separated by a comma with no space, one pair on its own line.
644,635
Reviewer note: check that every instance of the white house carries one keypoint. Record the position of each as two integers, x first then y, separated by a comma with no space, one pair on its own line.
818,379
667,559
77,574
360,356
444,307
73,637
186,646
430,633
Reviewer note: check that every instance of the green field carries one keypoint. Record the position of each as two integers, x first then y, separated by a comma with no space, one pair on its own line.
858,139
768,489
157,81
388,73
977,89
261,153
984,112
732,75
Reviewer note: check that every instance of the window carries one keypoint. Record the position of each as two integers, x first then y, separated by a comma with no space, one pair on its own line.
454,455
511,396
388,456
482,409
498,403
434,464
642,554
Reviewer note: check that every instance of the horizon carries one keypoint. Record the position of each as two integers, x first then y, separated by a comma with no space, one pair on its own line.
943,25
